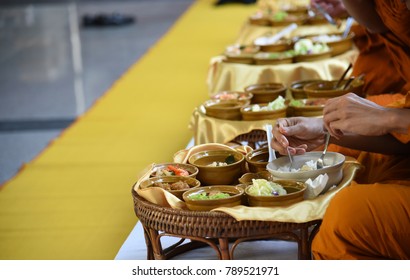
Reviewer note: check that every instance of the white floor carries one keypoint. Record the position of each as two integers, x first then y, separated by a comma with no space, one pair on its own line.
134,249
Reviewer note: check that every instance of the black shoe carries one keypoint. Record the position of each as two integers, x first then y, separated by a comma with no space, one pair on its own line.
113,19
221,2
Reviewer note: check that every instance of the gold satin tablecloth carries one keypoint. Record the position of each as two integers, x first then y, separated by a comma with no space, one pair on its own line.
212,130
304,211
235,76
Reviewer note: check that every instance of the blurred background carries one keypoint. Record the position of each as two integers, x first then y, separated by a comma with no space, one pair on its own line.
53,68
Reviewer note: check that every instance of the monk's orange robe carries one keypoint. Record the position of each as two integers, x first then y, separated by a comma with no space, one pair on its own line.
370,219
385,58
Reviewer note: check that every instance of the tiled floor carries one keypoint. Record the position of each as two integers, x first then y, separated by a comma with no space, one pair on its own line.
52,69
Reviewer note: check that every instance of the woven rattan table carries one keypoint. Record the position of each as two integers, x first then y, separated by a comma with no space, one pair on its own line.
216,229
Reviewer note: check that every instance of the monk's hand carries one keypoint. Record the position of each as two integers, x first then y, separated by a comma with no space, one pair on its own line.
352,114
298,134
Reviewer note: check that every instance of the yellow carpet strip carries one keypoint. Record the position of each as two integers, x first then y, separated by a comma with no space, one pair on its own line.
74,200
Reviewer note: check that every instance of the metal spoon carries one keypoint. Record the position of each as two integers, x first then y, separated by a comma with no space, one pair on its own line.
269,137
320,163
290,160
348,26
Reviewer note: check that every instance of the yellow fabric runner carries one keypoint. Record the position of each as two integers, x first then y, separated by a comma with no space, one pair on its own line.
74,200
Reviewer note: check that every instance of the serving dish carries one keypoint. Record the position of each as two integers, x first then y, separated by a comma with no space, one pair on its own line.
218,167
224,109
175,185
211,197
294,192
328,89
266,92
307,107
173,169
279,167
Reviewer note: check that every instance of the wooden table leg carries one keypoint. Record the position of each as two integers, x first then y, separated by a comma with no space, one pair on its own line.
224,248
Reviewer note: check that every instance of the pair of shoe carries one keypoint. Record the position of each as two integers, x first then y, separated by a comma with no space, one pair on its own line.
221,2
114,19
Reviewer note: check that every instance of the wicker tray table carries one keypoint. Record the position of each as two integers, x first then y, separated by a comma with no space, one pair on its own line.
215,229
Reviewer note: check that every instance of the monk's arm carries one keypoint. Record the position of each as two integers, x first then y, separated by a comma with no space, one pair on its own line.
385,144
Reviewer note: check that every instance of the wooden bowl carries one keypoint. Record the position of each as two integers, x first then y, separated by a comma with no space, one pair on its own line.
156,170
266,92
217,175
327,89
224,109
168,181
294,193
249,115
234,199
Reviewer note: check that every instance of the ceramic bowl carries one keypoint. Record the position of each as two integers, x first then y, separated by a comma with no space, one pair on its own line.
206,203
327,89
257,159
166,182
307,107
244,97
333,168
266,92
172,169
223,109
249,115
273,58
294,193
209,174
296,88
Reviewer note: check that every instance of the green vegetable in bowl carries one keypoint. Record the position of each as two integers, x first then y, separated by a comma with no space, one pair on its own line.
206,196
230,159
265,188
